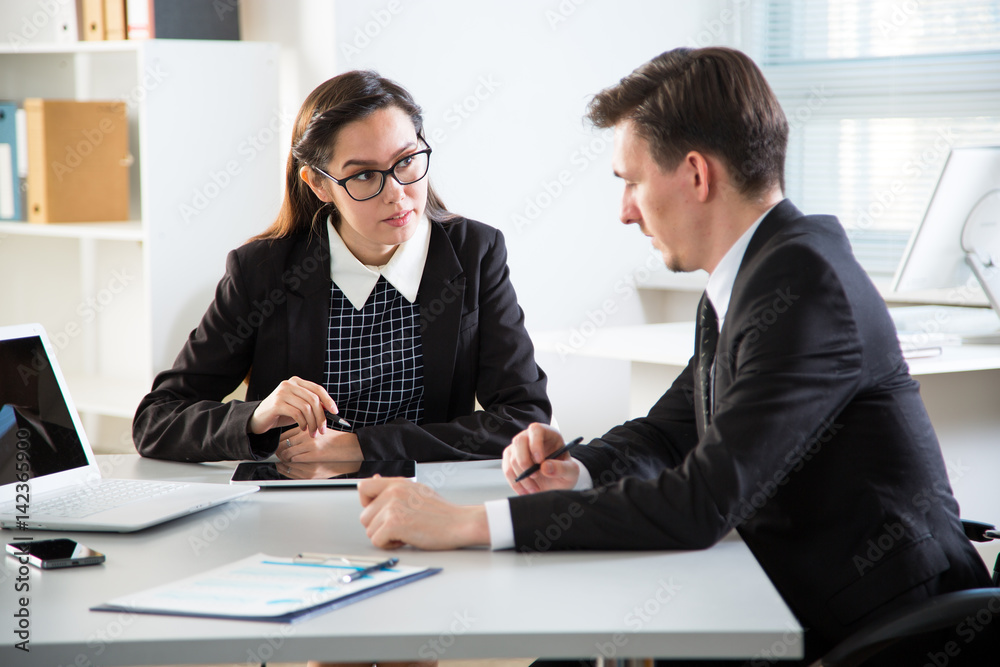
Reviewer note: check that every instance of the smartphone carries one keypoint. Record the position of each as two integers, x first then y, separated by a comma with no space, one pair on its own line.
50,554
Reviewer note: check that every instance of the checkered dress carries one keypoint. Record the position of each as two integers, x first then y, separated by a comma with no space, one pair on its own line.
374,358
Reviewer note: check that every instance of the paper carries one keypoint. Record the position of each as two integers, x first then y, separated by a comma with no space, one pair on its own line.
264,588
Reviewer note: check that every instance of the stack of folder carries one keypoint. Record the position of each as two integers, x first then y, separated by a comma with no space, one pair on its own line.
64,161
95,20
103,19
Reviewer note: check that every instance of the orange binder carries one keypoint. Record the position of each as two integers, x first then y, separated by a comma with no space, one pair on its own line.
93,20
115,25
78,161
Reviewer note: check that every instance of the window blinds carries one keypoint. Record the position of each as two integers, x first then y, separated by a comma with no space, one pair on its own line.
876,94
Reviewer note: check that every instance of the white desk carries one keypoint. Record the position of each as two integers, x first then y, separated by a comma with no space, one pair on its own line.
484,604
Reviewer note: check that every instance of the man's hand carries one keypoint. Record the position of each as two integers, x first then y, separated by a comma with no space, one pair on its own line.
294,401
398,512
298,446
531,446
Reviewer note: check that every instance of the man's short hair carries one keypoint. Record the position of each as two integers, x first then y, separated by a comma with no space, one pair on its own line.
713,100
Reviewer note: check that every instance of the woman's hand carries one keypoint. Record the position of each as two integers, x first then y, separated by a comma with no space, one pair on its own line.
294,401
298,446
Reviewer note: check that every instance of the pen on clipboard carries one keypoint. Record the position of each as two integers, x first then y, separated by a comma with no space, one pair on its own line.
357,574
332,419
531,470
321,559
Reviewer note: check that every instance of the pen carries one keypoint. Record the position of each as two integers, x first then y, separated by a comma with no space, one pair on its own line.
351,576
332,419
531,470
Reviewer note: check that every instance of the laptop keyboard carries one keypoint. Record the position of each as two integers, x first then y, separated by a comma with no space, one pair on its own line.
109,494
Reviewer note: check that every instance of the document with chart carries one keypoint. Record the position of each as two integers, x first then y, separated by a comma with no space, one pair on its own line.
268,588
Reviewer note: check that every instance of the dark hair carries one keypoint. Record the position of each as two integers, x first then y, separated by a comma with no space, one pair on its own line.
713,100
333,104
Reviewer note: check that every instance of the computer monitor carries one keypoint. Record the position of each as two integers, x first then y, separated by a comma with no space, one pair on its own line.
958,241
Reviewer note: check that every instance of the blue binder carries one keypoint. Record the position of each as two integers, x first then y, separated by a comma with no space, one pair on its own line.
10,180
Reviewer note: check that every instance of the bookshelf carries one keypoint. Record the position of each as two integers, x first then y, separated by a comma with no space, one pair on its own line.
119,298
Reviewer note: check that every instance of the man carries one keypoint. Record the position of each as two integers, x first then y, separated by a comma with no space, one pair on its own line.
796,422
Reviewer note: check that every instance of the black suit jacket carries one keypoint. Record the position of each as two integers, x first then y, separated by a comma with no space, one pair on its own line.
270,319
820,452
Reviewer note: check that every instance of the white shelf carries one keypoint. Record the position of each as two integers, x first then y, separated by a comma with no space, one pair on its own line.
668,281
101,46
105,46
101,231
972,297
958,359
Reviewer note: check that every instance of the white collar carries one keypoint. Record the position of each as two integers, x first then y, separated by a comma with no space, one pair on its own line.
720,282
403,270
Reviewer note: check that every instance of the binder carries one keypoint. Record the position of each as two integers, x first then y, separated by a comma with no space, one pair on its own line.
10,180
92,23
78,161
137,19
194,19
67,19
115,26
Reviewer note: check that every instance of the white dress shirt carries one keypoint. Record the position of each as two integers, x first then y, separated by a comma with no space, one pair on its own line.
720,282
719,289
403,270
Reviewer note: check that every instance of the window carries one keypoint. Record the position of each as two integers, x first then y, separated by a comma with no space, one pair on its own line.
876,93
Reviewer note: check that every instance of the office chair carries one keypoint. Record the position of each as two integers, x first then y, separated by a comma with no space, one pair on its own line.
937,613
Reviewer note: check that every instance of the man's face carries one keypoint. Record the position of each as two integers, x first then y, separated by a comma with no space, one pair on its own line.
660,202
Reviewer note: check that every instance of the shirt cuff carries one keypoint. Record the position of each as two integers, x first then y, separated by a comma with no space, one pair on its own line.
502,525
584,481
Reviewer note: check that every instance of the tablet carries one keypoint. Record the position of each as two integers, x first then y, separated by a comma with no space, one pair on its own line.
326,473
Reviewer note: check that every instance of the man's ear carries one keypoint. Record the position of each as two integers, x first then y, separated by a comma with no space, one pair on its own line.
313,180
701,174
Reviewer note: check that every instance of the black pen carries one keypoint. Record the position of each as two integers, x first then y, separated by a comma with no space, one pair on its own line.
332,419
531,470
357,574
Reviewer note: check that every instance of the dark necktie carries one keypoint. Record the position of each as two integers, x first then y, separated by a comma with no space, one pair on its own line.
708,339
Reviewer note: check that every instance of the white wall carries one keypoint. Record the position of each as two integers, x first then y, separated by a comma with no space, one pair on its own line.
504,86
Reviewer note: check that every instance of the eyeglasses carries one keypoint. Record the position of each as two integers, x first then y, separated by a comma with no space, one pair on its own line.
369,183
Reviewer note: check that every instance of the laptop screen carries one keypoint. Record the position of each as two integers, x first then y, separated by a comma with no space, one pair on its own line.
35,424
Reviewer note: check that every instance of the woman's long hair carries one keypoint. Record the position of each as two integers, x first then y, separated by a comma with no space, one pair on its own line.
332,105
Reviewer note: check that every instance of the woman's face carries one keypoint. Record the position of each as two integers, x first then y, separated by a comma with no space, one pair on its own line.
373,228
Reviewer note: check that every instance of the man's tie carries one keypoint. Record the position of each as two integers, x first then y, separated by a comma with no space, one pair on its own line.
708,340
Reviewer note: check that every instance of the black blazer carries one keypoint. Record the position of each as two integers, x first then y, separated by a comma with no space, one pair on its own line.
820,452
270,318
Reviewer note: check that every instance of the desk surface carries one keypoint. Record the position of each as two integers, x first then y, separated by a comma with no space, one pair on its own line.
715,603
672,344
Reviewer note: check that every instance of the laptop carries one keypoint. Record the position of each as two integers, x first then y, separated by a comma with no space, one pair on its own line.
49,478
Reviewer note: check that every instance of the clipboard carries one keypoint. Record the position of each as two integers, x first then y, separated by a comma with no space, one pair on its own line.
271,589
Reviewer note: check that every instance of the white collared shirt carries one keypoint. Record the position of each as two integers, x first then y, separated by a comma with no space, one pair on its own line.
720,282
403,270
719,289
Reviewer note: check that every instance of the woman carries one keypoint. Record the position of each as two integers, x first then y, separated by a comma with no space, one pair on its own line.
366,299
